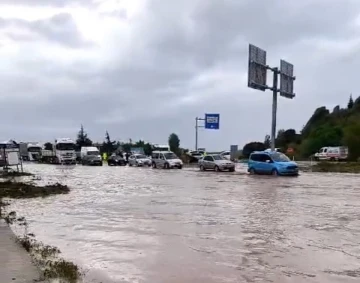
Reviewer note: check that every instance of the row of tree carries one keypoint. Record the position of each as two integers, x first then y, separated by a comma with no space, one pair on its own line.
109,146
324,128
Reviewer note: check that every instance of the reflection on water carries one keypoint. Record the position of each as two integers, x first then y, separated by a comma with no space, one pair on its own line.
128,224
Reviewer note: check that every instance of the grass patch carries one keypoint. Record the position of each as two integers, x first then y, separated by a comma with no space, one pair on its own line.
337,167
13,189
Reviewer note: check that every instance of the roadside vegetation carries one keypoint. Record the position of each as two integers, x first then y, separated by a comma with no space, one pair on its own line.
46,257
337,167
339,127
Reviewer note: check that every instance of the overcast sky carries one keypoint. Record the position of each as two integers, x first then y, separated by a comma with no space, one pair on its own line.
147,68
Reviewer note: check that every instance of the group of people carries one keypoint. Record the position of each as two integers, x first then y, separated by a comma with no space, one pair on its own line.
125,155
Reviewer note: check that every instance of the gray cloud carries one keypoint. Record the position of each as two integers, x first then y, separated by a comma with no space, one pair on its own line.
183,59
60,29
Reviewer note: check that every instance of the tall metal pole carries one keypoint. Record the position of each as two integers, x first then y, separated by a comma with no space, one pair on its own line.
274,108
196,133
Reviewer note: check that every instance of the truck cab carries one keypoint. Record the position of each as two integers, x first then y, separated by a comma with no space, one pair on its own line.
65,151
34,151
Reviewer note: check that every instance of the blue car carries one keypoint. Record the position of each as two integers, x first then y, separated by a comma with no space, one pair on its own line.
271,163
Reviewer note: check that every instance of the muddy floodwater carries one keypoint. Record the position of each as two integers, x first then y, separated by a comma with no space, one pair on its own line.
125,224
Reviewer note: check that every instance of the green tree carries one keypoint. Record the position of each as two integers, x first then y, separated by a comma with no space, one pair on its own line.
252,146
147,149
174,143
83,139
48,146
267,141
351,102
287,137
352,140
325,135
108,145
320,115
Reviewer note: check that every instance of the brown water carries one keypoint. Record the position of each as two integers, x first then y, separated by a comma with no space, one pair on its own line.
126,224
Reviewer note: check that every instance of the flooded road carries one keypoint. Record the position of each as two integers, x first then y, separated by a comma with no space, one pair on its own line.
127,224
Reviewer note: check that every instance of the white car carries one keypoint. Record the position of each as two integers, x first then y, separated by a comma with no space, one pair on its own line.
139,160
225,154
166,160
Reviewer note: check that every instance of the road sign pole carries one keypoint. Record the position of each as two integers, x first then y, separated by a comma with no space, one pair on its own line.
257,69
196,133
274,108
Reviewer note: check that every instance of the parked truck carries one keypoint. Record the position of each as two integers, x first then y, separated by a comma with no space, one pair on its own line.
63,152
30,151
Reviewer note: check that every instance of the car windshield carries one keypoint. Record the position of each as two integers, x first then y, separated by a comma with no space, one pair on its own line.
279,157
93,152
218,157
170,155
140,156
34,149
65,146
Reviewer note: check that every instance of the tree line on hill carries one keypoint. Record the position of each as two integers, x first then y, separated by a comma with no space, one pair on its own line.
340,127
109,146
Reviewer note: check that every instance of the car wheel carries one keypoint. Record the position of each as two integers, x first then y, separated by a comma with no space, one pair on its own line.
217,169
274,172
232,170
202,168
180,167
252,171
130,164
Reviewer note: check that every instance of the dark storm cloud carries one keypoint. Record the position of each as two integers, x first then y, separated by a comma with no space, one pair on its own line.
60,28
187,58
216,30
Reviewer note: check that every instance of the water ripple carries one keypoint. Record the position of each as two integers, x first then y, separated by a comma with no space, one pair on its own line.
167,226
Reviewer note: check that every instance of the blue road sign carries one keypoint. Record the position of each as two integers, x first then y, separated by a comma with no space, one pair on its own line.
212,121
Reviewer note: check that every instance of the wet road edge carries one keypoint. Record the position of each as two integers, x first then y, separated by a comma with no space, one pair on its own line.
16,264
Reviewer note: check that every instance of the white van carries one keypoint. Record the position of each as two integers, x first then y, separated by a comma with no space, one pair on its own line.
332,153
90,155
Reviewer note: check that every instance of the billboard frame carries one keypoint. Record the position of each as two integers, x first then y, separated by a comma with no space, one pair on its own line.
257,75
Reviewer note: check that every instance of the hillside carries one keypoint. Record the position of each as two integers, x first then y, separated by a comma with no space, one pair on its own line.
324,128
341,126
